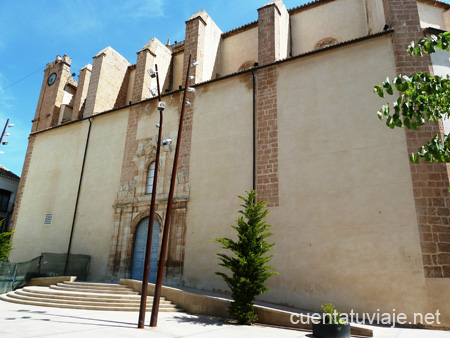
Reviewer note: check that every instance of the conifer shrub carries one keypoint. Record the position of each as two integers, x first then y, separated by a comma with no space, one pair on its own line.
248,262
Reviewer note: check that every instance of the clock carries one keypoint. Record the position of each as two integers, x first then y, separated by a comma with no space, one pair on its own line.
51,79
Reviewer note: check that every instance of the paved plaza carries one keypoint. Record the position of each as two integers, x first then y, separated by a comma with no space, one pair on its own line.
17,321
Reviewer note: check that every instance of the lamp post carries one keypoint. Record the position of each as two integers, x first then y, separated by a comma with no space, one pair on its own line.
5,134
162,256
143,304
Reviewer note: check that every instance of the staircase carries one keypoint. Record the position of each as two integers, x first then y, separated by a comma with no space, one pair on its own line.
85,296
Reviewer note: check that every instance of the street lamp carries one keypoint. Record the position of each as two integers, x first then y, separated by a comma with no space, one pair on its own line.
5,134
162,257
144,290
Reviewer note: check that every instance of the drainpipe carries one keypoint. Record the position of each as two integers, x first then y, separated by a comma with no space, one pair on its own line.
254,129
78,197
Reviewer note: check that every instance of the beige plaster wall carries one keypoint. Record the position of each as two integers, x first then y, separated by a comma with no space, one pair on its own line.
375,16
283,37
177,64
211,51
52,185
220,169
130,85
431,16
446,18
346,229
343,20
101,181
51,188
237,49
346,201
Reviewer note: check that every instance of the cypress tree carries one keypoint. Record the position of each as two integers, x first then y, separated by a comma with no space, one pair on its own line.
248,264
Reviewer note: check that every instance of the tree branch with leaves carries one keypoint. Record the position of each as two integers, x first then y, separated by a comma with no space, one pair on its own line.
422,98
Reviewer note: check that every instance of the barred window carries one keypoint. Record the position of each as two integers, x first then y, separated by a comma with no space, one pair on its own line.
151,174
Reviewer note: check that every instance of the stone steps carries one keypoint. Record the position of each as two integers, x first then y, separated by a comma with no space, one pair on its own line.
86,296
72,286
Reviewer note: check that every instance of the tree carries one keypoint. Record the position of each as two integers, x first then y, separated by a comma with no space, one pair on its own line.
248,265
5,245
422,98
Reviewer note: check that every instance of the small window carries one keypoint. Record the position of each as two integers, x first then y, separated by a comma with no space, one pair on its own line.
48,219
327,42
150,176
4,200
246,65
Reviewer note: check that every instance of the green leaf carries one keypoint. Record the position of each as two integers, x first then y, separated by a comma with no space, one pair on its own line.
414,158
378,90
407,122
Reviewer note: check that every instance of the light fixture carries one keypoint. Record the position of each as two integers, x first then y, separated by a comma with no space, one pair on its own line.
151,72
190,89
11,125
166,141
158,125
188,103
153,91
5,143
194,63
161,105
7,134
191,77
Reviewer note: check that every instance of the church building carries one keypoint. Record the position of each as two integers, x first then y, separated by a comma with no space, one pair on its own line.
283,105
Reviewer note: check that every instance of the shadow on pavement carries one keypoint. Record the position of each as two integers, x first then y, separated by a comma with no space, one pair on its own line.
199,320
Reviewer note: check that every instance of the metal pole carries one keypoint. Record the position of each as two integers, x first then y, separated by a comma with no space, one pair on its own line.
4,129
144,290
162,256
66,264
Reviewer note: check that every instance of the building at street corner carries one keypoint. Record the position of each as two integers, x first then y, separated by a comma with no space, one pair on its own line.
355,223
9,183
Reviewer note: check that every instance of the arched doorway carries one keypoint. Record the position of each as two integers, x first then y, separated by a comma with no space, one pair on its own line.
140,243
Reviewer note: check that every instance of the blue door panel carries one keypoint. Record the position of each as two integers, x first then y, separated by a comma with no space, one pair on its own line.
137,269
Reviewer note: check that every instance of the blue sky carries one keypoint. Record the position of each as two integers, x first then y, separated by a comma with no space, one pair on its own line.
33,33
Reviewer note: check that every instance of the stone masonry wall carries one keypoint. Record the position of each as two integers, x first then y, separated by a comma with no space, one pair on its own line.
266,108
23,180
195,34
47,111
145,61
108,74
430,181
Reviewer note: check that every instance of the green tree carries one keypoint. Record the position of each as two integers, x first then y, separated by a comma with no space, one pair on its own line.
5,243
422,98
248,264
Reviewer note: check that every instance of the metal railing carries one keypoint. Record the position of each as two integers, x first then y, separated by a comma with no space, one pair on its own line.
17,275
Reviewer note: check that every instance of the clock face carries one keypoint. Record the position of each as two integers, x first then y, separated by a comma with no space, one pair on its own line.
51,79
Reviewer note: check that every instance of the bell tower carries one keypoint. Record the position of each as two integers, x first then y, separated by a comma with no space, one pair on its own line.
56,76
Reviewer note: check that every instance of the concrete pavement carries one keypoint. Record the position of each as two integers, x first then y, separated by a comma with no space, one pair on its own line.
17,321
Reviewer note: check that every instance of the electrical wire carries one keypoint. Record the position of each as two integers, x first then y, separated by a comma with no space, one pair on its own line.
24,78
